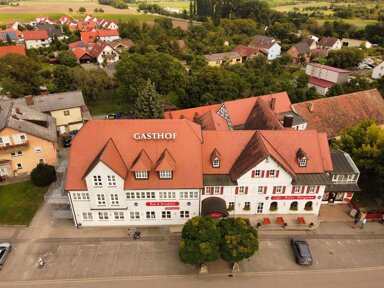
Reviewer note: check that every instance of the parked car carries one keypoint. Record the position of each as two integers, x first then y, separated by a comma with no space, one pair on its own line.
67,141
113,116
5,249
301,250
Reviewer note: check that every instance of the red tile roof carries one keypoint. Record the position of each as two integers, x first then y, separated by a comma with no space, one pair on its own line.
165,162
320,82
213,121
79,52
262,117
94,135
18,49
330,68
334,114
88,36
111,32
245,51
35,35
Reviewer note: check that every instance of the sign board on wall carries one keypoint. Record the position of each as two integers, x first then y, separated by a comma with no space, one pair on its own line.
216,215
293,197
165,203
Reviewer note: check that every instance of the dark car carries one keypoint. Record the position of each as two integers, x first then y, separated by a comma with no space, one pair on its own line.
67,141
5,249
301,250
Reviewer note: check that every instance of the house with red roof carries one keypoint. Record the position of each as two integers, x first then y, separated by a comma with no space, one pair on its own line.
10,34
110,25
329,43
299,51
84,56
136,172
36,39
104,35
268,44
247,52
323,77
103,52
18,49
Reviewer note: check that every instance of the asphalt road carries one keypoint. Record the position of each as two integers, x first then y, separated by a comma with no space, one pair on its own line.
338,278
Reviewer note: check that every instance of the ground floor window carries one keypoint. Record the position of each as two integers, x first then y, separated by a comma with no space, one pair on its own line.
294,206
231,206
308,206
166,214
247,206
260,207
103,216
87,216
339,196
119,215
151,215
273,206
184,214
134,215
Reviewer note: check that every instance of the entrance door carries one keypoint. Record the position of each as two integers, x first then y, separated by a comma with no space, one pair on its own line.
260,207
332,197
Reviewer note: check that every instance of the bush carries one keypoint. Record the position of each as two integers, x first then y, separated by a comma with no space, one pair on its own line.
43,175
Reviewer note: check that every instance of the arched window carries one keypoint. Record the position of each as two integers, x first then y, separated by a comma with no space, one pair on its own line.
308,206
273,206
293,206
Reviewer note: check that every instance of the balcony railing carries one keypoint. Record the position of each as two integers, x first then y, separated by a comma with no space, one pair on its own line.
12,147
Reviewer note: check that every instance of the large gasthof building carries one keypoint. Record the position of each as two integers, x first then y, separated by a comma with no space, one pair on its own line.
163,172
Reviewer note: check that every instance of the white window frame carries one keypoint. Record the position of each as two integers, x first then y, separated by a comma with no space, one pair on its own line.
111,179
97,181
166,215
150,215
241,190
231,205
184,214
38,149
119,215
141,174
87,216
297,190
134,215
16,154
257,173
101,199
312,189
247,205
166,174
260,189
303,162
278,189
272,173
114,199
19,166
103,215
167,195
216,190
216,163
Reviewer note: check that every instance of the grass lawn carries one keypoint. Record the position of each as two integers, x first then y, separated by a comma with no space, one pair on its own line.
117,17
19,202
108,106
25,17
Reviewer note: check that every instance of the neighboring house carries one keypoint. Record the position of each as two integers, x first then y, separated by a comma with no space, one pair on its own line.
43,19
354,43
65,20
104,53
247,52
104,35
4,50
312,43
15,36
121,45
269,44
82,45
110,25
344,178
36,39
334,114
15,26
378,71
89,36
218,59
67,108
143,177
84,56
266,112
322,77
27,138
329,43
52,30
300,50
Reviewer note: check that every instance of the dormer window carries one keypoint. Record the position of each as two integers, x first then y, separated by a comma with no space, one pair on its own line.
141,174
302,158
165,174
216,163
303,162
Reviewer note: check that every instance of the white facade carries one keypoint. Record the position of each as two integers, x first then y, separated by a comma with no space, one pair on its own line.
110,38
378,71
109,55
110,25
274,52
326,74
319,89
109,204
37,43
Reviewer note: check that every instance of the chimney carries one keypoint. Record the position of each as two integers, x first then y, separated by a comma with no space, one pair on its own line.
288,120
273,103
311,107
29,100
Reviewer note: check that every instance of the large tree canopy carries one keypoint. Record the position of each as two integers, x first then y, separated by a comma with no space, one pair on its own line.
19,75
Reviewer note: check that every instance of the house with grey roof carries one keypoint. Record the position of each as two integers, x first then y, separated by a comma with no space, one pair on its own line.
27,138
68,108
218,59
299,52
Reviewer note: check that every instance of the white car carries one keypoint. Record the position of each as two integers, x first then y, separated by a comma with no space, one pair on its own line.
5,249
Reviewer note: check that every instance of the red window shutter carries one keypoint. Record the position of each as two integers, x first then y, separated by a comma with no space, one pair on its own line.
212,189
302,189
203,191
221,190
277,173
267,173
237,190
262,173
284,190
265,189
317,189
293,189
274,190
308,189
246,190
253,174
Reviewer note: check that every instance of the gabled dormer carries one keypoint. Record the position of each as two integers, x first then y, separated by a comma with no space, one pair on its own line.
166,165
142,165
215,159
302,158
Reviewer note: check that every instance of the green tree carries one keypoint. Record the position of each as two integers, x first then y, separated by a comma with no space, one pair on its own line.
200,241
238,239
63,78
166,72
43,175
345,58
147,104
20,75
67,58
70,10
82,10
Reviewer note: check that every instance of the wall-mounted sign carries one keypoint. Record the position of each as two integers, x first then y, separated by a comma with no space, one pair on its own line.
165,203
293,197
216,215
155,136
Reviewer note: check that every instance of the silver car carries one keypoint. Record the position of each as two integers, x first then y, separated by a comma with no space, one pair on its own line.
5,249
